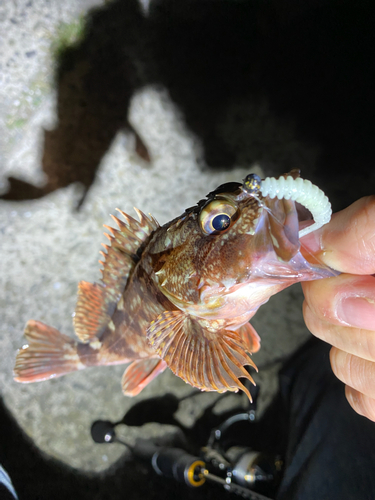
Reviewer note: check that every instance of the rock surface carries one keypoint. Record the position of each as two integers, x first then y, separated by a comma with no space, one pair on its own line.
48,246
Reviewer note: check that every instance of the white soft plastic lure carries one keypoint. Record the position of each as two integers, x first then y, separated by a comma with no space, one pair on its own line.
304,192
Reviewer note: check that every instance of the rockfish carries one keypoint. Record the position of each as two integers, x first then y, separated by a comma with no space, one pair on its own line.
181,295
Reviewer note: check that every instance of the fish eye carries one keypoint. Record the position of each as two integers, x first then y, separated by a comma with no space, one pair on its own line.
217,216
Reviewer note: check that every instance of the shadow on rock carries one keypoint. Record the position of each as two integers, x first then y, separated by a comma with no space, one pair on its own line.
37,477
162,410
95,81
287,85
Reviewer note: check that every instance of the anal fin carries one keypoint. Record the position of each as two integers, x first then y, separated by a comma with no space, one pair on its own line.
209,359
140,373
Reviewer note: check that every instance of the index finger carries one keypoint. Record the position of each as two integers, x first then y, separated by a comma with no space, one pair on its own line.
347,242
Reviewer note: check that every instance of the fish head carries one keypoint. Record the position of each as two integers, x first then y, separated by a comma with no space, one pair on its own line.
234,239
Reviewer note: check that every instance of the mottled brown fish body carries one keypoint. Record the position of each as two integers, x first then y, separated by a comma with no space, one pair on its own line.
124,339
180,295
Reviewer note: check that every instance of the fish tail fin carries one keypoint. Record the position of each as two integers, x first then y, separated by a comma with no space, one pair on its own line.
47,354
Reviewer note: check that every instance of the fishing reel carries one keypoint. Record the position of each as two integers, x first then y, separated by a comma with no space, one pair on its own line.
222,461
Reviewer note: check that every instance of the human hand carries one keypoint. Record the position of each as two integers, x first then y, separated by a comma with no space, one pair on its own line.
341,310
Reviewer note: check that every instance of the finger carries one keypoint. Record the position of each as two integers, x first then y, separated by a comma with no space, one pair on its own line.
355,372
344,300
355,341
361,403
347,242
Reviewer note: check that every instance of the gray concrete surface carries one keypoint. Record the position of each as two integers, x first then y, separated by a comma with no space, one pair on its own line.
47,246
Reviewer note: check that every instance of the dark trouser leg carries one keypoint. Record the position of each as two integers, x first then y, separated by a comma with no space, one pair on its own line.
330,452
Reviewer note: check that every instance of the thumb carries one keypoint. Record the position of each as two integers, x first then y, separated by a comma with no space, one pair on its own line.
347,242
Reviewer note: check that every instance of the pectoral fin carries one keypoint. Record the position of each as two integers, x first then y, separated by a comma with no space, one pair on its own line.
209,359
250,337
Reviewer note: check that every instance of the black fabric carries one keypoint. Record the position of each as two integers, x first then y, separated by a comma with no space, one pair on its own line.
6,487
330,451
5,494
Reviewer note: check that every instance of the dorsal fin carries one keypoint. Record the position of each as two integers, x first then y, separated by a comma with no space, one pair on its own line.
206,359
97,302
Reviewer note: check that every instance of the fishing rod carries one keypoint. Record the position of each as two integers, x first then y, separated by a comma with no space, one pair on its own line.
238,470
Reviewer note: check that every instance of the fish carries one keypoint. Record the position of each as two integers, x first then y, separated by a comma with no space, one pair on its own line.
180,296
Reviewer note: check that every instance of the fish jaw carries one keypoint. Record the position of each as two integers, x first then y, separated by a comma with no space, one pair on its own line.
238,303
269,277
240,297
233,273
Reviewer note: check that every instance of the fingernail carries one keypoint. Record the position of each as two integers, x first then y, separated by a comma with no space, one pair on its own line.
358,312
312,241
